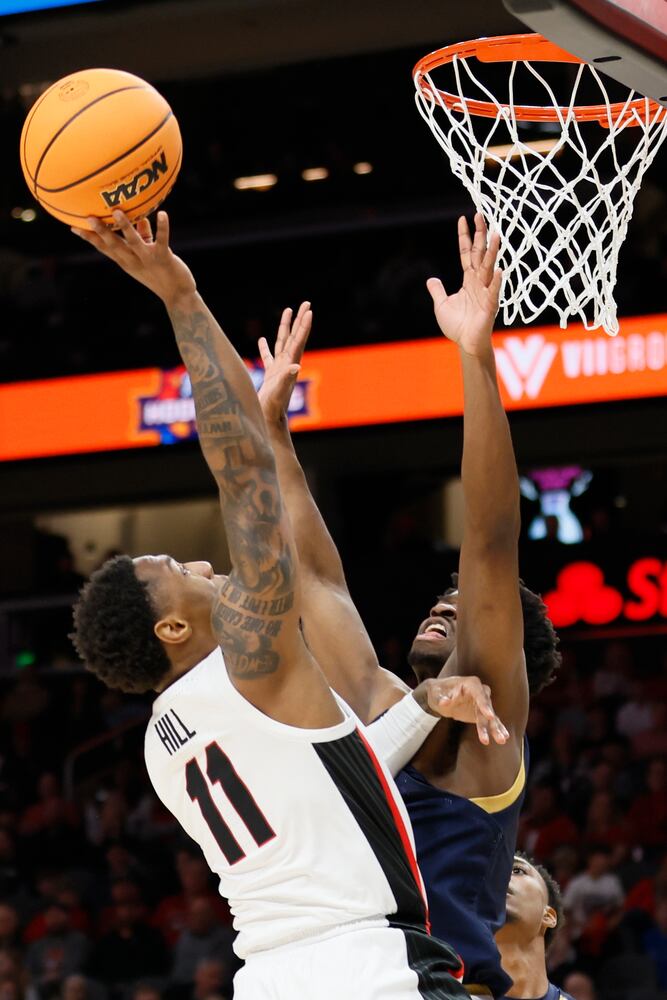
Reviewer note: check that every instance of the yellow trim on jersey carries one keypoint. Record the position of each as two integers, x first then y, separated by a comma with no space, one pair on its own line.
496,803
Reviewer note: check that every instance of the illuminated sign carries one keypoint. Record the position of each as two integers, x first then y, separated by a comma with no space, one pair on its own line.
346,387
24,6
554,488
581,595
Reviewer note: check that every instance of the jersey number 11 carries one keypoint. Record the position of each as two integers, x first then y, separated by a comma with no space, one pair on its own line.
220,769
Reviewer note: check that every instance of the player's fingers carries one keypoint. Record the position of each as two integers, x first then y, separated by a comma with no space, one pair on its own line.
264,352
484,706
105,233
162,231
300,332
131,236
283,331
496,283
498,731
144,230
303,309
295,330
88,236
465,244
479,241
437,291
489,263
101,237
482,729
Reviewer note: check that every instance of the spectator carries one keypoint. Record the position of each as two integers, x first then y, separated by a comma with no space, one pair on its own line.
594,890
195,878
212,978
106,817
132,949
121,864
202,938
10,990
605,826
9,925
13,977
648,813
10,874
51,812
146,991
643,895
122,892
150,819
636,716
68,898
61,952
78,987
545,825
655,942
580,986
565,863
611,679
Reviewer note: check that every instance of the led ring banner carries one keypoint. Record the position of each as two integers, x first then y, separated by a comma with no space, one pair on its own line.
346,387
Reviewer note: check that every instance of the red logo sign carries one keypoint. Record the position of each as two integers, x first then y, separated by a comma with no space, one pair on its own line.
581,594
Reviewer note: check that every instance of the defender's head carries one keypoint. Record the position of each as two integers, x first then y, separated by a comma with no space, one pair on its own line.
534,903
436,638
138,623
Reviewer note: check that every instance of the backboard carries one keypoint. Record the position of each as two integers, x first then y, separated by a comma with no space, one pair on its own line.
625,39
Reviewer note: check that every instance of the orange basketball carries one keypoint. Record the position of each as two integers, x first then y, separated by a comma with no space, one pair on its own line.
98,140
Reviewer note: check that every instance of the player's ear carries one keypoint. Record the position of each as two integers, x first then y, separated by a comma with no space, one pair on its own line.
173,630
549,918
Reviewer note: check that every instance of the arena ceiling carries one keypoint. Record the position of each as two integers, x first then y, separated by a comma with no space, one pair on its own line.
180,39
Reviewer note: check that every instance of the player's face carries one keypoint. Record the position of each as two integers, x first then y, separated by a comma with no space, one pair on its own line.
436,637
527,898
186,589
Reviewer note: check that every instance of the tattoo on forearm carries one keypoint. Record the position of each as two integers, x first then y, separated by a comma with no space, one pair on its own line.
260,589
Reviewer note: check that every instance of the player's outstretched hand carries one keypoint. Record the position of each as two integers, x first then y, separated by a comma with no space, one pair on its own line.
282,367
467,316
466,699
145,257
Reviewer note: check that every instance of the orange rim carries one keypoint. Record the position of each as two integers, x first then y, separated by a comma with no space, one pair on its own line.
529,47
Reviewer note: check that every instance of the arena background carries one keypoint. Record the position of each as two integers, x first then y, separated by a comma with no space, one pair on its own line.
94,878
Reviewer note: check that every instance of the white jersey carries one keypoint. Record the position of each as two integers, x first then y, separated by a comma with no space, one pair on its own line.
305,829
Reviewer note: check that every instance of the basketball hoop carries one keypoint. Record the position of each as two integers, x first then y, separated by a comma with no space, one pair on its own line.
561,232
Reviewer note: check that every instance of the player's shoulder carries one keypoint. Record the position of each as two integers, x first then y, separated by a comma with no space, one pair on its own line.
177,711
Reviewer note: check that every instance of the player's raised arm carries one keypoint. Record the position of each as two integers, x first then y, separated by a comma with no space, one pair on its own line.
255,617
332,625
489,613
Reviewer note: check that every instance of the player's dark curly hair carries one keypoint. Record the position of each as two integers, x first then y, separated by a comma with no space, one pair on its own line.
540,641
113,629
554,896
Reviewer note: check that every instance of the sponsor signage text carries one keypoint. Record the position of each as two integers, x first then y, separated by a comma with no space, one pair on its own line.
345,387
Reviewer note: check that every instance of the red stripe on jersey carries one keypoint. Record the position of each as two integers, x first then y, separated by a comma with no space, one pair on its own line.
400,826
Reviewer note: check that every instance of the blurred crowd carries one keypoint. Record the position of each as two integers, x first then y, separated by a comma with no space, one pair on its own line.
102,897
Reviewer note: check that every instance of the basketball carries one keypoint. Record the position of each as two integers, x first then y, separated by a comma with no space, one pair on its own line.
99,140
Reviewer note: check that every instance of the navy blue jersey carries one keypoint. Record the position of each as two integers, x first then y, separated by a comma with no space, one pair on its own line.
465,850
553,993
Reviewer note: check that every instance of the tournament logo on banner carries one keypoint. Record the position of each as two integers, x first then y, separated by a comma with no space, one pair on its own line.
171,412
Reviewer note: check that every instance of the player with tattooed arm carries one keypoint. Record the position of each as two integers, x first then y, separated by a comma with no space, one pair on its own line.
248,747
463,796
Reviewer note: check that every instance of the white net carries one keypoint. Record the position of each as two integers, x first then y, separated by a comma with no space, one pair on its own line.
563,212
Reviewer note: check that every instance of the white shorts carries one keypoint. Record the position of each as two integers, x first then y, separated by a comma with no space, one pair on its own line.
369,963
